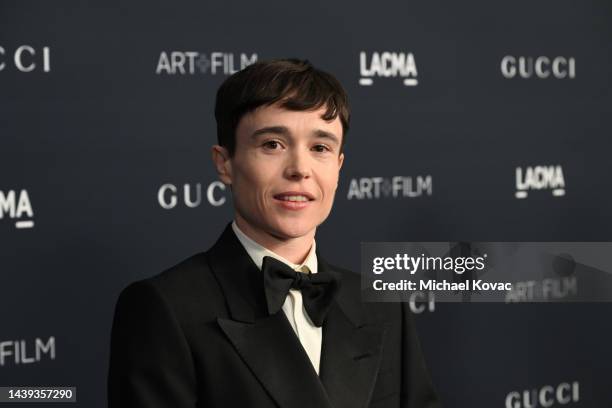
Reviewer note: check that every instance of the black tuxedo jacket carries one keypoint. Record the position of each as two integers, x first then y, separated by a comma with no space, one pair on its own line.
198,335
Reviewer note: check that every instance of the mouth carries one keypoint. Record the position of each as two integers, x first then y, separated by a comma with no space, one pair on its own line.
294,200
294,196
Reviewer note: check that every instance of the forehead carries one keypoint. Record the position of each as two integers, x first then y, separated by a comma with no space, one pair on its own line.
296,121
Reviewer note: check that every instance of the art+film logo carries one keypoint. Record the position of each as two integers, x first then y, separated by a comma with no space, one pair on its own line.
538,67
541,177
374,65
374,188
16,205
17,352
170,195
562,285
25,58
195,62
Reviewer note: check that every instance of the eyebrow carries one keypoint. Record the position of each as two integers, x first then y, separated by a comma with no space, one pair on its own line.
323,134
277,130
284,131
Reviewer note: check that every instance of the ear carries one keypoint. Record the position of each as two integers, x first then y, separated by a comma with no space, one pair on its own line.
223,163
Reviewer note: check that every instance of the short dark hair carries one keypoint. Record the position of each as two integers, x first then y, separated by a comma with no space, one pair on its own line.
295,83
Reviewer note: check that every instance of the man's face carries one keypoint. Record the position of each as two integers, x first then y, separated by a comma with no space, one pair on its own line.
285,169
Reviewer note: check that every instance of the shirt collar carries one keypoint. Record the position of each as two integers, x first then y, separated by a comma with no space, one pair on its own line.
257,252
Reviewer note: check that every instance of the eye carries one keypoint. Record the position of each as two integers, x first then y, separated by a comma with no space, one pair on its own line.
321,148
272,145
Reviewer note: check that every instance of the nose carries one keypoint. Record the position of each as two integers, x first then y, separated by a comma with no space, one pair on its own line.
298,166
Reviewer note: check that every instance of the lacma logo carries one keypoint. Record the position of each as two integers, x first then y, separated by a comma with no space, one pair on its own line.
365,188
194,62
26,58
17,206
538,67
387,65
190,195
539,178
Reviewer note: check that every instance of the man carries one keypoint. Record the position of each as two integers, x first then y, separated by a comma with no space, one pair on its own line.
260,319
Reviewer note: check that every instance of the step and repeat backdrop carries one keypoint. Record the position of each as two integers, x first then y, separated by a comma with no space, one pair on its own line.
475,121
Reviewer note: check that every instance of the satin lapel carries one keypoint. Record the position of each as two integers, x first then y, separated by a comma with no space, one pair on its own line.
274,354
239,278
267,344
351,351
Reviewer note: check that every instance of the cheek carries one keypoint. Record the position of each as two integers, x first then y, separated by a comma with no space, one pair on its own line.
254,183
330,184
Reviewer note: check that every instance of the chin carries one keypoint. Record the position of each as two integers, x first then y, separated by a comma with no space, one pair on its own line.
290,229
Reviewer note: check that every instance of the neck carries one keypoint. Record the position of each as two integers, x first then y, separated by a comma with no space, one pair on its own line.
294,250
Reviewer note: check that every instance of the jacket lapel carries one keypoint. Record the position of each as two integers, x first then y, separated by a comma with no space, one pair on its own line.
267,344
351,351
351,348
275,355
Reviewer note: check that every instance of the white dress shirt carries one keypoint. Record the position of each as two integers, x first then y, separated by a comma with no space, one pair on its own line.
310,335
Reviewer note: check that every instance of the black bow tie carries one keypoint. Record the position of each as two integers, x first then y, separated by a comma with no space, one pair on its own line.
318,289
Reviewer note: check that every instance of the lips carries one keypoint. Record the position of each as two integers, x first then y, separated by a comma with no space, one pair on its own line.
294,196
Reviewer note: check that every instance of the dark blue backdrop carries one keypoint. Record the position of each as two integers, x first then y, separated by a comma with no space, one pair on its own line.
104,103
